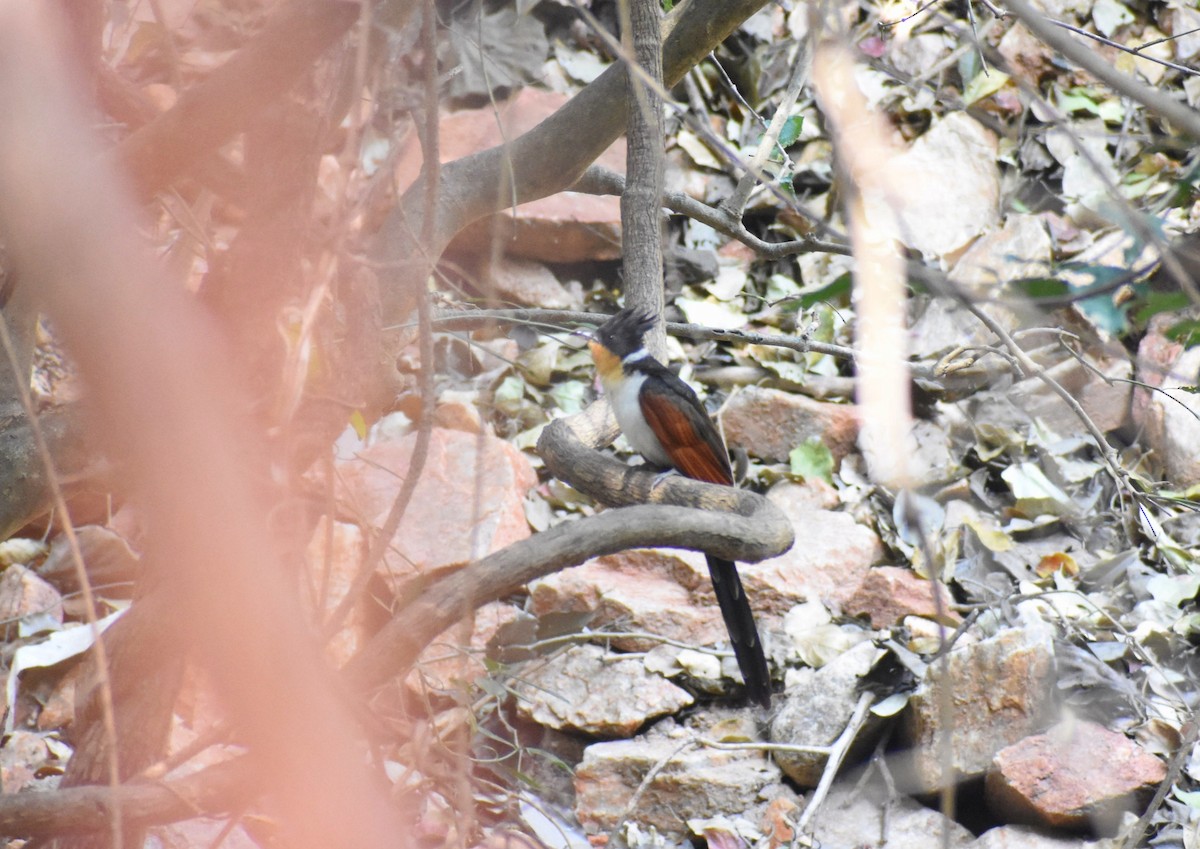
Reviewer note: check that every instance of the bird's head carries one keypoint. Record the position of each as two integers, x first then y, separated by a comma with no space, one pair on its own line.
619,337
623,333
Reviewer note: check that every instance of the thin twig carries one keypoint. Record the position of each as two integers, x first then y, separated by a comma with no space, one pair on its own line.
733,89
1135,51
609,636
598,180
976,41
432,165
837,753
786,748
466,320
107,712
1174,767
736,203
908,17
614,836
1172,37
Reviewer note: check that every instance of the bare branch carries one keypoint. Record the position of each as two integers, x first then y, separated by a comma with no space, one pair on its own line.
86,809
598,180
538,162
1186,119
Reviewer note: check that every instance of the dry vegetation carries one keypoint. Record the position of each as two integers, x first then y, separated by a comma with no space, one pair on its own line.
974,222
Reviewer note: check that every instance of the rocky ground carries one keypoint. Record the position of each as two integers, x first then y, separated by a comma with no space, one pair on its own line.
1015,669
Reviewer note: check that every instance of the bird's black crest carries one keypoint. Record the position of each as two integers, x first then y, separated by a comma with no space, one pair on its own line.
623,333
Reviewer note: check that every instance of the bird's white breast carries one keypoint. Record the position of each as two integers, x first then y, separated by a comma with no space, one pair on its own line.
628,409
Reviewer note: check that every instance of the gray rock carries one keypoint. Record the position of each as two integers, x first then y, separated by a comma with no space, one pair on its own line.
693,781
1024,837
816,709
585,689
852,817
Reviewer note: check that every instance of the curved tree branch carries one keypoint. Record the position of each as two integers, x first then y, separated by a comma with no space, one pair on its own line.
730,523
566,447
541,162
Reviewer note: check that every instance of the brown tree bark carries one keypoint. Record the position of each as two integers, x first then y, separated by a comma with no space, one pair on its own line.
641,202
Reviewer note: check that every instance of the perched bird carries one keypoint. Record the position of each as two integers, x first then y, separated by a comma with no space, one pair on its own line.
665,422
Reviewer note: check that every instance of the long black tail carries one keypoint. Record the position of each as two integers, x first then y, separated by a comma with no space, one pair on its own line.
743,634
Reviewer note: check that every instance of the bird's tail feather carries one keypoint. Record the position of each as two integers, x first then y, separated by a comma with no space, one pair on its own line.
743,634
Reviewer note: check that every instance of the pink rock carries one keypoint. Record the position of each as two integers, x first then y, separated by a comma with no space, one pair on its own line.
832,555
662,592
523,281
999,689
769,423
455,658
565,227
795,498
889,593
1077,775
446,516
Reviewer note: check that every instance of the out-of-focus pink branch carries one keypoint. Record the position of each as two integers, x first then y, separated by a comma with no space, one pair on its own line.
874,193
168,407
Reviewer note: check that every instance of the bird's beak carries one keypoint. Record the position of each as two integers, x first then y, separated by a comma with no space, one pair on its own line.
584,336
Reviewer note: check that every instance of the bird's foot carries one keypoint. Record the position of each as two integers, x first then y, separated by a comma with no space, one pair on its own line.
662,475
